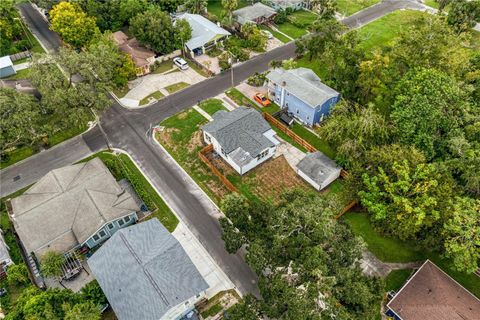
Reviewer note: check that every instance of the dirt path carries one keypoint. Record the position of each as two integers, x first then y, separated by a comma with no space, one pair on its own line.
372,266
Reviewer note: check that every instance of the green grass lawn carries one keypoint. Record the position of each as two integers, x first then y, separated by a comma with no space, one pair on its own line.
121,167
163,67
211,106
276,34
291,30
381,32
432,3
315,65
396,279
390,249
213,310
349,7
157,95
215,7
313,139
176,87
197,69
242,100
303,17
120,93
21,74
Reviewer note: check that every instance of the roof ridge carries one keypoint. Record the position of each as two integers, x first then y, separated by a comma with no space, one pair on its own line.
75,215
78,173
95,204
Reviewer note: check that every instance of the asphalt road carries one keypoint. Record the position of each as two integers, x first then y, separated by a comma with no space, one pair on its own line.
130,130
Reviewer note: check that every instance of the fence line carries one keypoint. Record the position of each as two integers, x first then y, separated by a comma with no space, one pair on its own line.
289,132
20,55
201,155
349,206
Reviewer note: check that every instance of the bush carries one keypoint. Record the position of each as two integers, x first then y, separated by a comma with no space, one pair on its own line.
281,17
257,80
223,61
17,274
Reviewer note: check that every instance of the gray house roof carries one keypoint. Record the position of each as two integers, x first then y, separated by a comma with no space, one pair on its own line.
68,205
4,254
255,11
144,271
317,166
203,30
304,84
240,132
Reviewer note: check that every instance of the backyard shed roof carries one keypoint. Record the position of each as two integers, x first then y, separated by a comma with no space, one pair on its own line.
68,205
203,30
255,11
242,129
317,166
432,294
132,47
4,254
304,84
144,271
5,62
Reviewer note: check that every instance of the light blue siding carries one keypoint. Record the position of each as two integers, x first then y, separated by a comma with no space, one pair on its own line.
109,229
6,71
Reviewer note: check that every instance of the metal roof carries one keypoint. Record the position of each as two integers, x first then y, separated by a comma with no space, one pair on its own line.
304,84
68,205
255,11
144,272
240,131
317,166
5,62
203,30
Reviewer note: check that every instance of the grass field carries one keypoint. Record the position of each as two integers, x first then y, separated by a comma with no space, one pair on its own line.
276,34
303,17
215,7
396,279
291,30
157,95
349,7
121,166
176,87
313,139
390,249
163,67
211,106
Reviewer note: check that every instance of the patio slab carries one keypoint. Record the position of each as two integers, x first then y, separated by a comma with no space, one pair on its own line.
213,66
291,153
75,284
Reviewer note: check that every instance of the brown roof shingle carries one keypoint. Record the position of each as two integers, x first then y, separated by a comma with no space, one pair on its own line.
133,48
432,294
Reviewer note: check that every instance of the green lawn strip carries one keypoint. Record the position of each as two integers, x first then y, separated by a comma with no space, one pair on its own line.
396,279
163,67
21,74
313,139
120,93
121,167
211,106
276,34
157,95
303,17
381,32
242,100
215,7
198,69
432,3
23,60
16,155
176,87
349,7
213,310
390,249
290,30
317,67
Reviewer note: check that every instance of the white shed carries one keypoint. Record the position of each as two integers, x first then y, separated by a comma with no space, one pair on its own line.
318,170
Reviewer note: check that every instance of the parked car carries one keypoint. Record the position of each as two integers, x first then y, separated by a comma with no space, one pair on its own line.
180,63
268,34
260,98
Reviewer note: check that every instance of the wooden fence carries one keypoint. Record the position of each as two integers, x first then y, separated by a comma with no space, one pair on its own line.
289,132
201,155
349,206
20,55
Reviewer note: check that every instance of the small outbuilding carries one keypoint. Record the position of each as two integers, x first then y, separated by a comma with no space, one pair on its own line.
318,170
257,13
6,67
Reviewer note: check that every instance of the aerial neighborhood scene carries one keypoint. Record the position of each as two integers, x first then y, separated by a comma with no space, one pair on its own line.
239,159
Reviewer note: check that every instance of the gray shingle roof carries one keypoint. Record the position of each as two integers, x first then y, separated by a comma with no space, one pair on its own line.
255,11
241,128
68,205
317,166
5,62
304,84
4,254
203,30
144,271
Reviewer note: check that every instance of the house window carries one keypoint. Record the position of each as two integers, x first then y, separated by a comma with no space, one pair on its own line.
121,223
96,237
110,226
127,219
102,233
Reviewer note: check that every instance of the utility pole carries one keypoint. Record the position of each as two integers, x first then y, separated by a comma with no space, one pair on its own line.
231,67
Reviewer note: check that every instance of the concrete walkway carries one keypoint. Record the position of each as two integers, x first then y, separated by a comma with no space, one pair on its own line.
21,66
203,113
291,153
372,266
227,102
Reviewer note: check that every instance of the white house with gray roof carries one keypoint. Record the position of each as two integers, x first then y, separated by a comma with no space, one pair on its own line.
302,94
241,137
318,170
205,33
70,207
146,274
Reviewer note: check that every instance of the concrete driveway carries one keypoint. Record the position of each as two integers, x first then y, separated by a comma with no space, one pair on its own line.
144,86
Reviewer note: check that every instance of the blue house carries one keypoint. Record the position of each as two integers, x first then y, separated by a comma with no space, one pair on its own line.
6,67
301,92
